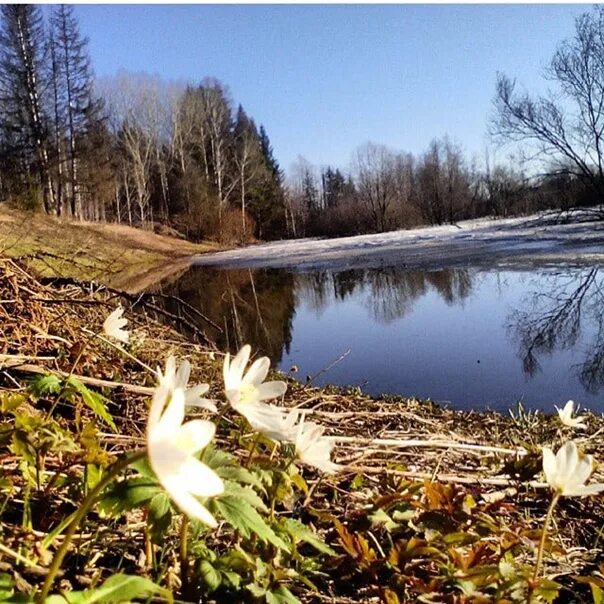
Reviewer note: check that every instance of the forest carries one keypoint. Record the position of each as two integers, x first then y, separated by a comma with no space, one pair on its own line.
185,159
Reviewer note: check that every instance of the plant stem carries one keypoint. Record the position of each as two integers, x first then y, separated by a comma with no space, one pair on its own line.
184,554
248,461
69,375
546,522
85,506
312,490
122,350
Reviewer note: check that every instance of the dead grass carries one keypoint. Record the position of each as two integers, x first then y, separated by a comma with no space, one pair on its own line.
116,255
385,443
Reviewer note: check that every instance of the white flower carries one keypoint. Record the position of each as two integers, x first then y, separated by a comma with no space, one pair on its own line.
276,423
172,446
566,416
178,377
314,449
568,471
246,392
113,325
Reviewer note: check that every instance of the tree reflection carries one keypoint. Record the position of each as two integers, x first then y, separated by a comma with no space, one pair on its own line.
244,306
555,319
388,293
258,306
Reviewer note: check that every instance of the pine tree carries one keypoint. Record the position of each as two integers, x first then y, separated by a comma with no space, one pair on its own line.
79,109
24,125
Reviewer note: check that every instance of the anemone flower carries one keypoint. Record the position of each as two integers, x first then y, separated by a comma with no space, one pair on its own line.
568,471
177,376
314,449
246,391
566,416
172,445
114,324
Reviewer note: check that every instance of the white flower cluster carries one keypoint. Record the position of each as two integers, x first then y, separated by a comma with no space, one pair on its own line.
568,471
173,443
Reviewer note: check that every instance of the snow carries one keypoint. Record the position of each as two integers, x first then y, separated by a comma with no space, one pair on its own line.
473,241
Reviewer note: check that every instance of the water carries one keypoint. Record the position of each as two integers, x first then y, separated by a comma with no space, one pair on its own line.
471,337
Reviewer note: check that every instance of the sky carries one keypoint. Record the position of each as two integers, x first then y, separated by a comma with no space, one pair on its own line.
325,79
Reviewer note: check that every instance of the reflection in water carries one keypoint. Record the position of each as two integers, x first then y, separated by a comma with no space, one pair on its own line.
556,313
258,306
445,334
244,306
392,291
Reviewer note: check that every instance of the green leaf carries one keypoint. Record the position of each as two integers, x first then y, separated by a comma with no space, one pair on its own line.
240,475
300,532
547,589
94,401
128,494
6,586
281,595
596,593
41,385
118,589
245,493
210,576
159,517
245,519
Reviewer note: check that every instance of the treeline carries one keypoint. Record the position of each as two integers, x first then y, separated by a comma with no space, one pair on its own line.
128,149
385,190
135,149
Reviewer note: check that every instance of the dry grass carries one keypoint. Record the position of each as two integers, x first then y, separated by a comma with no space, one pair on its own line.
117,255
384,443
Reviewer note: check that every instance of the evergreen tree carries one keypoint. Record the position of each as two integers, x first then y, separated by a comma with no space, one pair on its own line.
76,103
22,120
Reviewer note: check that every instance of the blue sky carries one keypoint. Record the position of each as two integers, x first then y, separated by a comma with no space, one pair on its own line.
324,79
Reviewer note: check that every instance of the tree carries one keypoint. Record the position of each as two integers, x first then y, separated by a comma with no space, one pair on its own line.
248,156
567,128
376,181
24,125
75,100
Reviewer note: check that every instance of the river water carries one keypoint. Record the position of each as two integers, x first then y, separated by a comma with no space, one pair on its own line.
471,337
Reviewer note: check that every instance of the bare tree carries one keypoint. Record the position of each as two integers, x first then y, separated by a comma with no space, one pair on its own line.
375,167
139,117
566,127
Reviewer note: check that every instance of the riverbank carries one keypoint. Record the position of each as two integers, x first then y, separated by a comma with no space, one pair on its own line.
432,504
546,237
116,255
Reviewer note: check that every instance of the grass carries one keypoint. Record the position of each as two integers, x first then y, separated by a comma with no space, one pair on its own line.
115,255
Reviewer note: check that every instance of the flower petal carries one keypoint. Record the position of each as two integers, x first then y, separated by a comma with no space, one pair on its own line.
234,374
183,373
257,372
201,480
174,414
158,402
549,466
581,473
585,490
191,507
270,390
194,436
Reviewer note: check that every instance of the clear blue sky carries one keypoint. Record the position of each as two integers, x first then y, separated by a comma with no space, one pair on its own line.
325,79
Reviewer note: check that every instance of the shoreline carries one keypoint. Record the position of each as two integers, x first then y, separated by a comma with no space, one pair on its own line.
477,242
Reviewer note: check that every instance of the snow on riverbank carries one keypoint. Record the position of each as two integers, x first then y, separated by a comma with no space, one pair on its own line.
477,241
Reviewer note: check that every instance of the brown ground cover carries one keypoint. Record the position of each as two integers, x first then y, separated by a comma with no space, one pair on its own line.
434,505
